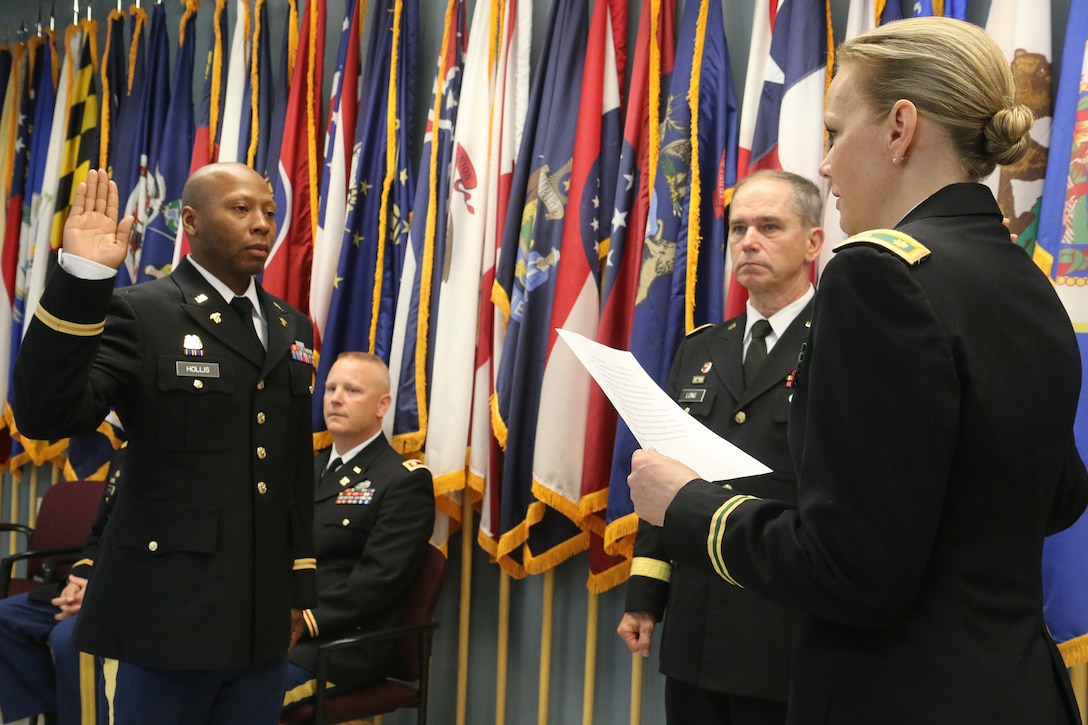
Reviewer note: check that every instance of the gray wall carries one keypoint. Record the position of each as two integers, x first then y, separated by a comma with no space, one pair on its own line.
568,643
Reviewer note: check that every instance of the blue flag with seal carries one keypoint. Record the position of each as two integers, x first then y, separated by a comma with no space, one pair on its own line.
1062,252
526,273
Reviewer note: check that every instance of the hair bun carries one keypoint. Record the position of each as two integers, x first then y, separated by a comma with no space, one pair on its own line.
1007,133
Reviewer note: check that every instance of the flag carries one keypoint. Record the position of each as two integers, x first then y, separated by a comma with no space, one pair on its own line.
153,256
234,130
168,163
47,142
863,15
781,125
564,398
280,93
1061,251
124,160
416,310
1022,29
13,152
652,66
486,187
413,330
680,281
379,197
287,270
81,135
263,95
456,266
339,139
525,279
114,76
958,9
211,105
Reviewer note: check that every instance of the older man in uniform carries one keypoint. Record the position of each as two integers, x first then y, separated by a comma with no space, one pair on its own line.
725,651
209,553
373,515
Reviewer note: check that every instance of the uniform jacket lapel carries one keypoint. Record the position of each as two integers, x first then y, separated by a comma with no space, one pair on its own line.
281,329
351,474
727,345
781,359
211,312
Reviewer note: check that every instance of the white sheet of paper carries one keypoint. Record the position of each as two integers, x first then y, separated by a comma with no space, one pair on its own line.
655,419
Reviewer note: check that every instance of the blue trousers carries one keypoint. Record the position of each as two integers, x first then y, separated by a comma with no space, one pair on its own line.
39,664
142,695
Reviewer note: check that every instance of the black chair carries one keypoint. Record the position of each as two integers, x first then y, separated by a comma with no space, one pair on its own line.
411,660
65,517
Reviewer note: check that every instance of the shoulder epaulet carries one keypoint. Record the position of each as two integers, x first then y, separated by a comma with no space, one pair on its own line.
699,329
412,464
904,246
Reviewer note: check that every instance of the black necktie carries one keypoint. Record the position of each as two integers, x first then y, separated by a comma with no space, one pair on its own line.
244,309
330,472
757,350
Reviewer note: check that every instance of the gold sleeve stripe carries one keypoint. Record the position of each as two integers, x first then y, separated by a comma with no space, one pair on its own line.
69,328
652,568
301,564
717,531
311,623
81,562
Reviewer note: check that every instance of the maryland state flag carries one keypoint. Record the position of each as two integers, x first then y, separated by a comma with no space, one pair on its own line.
1062,252
525,278
81,138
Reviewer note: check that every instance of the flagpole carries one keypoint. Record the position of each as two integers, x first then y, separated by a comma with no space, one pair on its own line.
32,498
547,606
466,602
636,689
1079,677
504,643
591,659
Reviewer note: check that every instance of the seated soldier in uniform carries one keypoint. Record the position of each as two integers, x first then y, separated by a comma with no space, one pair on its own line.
39,663
373,516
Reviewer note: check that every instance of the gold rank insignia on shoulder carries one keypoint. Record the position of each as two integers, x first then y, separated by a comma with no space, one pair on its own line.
904,246
412,464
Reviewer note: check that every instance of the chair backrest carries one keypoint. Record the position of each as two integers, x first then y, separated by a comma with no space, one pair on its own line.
419,606
65,517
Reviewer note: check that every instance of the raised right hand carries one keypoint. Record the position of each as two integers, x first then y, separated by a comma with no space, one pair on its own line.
92,230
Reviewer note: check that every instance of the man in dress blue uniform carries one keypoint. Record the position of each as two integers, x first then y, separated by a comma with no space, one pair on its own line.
725,652
208,556
373,515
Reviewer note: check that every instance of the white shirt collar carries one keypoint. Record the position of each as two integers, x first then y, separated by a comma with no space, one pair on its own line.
348,455
225,291
779,320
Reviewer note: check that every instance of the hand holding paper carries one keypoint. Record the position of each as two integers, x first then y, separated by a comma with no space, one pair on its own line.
655,420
